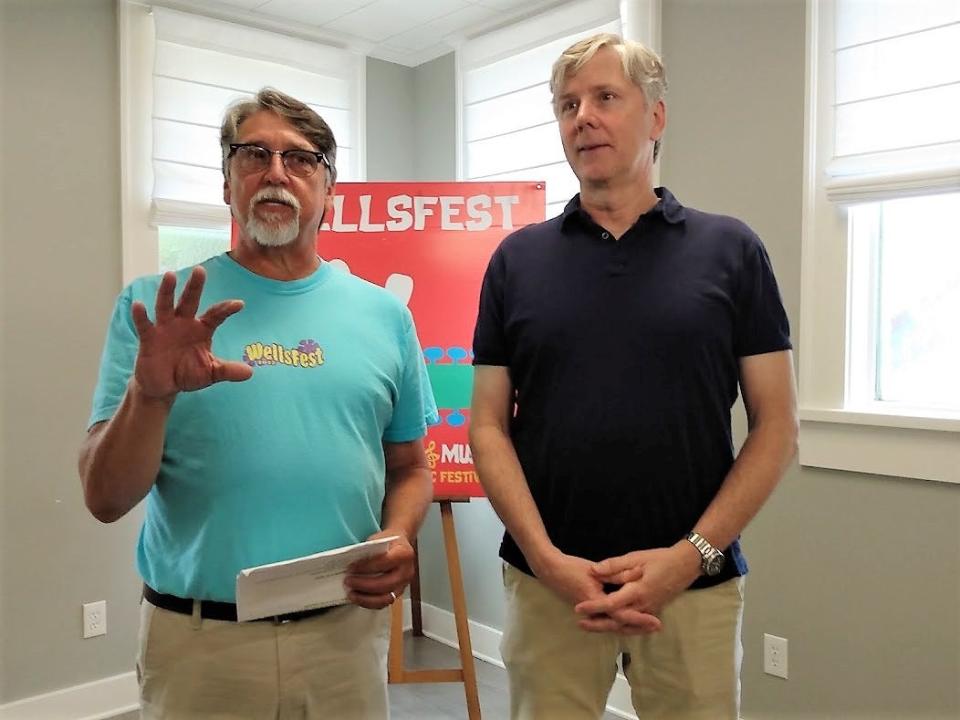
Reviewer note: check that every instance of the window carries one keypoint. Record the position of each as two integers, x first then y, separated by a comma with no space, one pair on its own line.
879,388
507,127
183,247
179,72
909,250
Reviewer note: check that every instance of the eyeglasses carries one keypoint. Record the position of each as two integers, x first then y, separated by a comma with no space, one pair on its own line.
253,158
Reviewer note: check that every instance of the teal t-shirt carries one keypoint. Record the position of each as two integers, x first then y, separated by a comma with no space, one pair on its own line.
289,462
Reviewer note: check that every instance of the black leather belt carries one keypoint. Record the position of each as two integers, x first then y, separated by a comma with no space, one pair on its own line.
215,610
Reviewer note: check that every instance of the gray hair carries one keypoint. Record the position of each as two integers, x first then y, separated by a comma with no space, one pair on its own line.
303,119
641,65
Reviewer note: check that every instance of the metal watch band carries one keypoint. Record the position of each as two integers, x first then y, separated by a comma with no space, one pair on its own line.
701,543
711,559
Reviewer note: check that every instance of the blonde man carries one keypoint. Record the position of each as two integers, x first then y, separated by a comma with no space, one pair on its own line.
609,347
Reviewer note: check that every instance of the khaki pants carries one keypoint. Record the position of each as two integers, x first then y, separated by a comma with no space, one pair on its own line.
690,670
332,666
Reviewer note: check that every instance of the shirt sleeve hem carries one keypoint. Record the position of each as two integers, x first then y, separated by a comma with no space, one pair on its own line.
407,434
764,349
98,416
489,360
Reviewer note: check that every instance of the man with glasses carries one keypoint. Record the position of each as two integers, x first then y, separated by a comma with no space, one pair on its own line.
275,409
609,348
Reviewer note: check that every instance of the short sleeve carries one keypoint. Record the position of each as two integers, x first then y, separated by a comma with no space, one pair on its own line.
762,325
116,362
415,408
489,335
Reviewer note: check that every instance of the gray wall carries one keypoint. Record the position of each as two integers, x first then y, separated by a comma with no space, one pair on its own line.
391,122
411,121
60,273
436,128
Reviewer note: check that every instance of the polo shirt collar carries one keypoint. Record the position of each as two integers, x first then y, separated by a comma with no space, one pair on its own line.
667,207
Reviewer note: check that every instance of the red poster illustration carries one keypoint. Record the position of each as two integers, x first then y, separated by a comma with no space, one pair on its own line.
429,244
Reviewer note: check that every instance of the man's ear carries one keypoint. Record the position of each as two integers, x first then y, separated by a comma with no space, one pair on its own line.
328,194
226,189
659,120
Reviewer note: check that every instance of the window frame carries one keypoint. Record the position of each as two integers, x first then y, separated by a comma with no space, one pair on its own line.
141,214
639,20
836,431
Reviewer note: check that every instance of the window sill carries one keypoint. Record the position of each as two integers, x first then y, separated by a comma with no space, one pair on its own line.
912,445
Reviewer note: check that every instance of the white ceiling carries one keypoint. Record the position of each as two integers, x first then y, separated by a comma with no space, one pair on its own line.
408,32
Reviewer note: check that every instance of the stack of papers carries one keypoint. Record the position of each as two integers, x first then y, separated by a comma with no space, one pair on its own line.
305,583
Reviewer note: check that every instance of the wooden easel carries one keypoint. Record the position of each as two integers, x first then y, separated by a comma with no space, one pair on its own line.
466,673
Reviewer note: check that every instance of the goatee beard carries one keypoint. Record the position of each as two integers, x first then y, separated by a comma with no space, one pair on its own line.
272,234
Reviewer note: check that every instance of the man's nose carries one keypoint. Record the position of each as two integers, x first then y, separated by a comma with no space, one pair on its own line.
586,113
276,171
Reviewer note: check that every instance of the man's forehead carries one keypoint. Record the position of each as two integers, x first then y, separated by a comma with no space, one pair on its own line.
604,68
266,125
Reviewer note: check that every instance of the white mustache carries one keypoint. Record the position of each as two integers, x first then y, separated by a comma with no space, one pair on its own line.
277,194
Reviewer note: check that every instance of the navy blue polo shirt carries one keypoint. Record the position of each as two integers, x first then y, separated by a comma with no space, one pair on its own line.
624,358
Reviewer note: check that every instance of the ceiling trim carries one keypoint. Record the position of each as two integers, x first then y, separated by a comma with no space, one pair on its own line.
239,16
346,41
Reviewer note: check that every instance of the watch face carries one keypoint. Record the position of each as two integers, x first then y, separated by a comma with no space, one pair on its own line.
713,565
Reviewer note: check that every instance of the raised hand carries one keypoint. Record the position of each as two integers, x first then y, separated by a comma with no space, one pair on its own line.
175,350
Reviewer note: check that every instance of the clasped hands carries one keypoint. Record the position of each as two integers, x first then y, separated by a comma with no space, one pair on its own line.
649,580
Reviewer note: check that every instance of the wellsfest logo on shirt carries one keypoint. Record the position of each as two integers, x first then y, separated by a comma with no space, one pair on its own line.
308,354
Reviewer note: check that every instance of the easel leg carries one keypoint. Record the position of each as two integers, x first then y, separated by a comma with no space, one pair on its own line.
460,611
415,593
395,669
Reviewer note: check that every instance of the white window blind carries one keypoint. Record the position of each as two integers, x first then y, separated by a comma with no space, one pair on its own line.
508,129
878,288
200,67
896,98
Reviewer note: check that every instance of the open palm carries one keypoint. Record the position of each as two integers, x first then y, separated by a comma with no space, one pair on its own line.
175,350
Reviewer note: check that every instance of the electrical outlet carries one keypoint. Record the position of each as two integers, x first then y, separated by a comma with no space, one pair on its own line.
775,655
95,619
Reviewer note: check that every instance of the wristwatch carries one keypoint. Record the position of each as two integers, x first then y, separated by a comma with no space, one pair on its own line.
711,559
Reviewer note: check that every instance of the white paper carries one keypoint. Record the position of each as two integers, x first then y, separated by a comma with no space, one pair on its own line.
305,583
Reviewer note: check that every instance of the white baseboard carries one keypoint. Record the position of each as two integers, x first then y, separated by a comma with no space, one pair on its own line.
439,625
98,700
